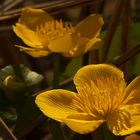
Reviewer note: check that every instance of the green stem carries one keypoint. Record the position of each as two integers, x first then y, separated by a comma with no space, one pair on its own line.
56,68
54,126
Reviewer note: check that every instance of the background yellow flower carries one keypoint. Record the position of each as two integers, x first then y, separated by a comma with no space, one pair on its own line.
102,97
45,35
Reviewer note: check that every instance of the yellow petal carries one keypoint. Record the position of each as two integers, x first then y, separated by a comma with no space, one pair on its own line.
68,43
28,36
83,123
134,85
90,26
34,52
95,73
92,43
78,48
125,121
56,104
133,97
62,44
82,45
132,137
33,17
133,91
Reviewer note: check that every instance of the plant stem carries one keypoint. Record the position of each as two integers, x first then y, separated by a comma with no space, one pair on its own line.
56,68
126,56
54,126
5,132
112,28
94,57
126,21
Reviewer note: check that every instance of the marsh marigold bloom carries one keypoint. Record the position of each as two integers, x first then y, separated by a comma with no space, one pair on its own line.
102,97
45,35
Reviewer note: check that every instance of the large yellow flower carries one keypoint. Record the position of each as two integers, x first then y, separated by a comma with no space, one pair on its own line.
45,35
102,97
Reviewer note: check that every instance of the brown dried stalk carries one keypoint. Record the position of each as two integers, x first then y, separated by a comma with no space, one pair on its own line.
126,21
126,56
50,6
112,28
5,131
10,4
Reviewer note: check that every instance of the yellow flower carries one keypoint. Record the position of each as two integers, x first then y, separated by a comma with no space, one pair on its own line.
102,97
45,35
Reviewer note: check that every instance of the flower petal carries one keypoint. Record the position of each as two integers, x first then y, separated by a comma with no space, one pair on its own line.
69,45
90,26
101,83
78,48
125,121
34,52
133,91
83,123
56,104
92,43
81,47
135,84
133,97
97,72
28,36
62,44
132,137
33,17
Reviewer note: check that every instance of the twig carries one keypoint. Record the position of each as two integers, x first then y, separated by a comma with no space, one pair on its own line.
5,131
66,82
126,56
112,28
9,5
126,19
61,84
50,6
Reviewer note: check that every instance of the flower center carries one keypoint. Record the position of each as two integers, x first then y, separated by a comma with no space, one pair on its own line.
52,30
100,97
